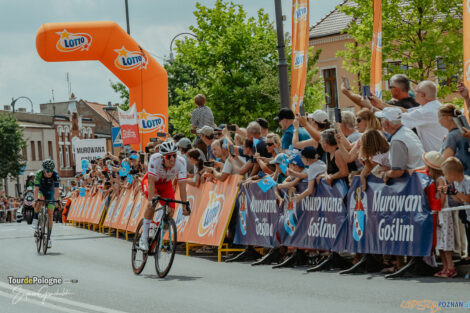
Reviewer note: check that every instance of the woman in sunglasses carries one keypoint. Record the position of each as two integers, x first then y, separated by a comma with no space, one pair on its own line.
163,168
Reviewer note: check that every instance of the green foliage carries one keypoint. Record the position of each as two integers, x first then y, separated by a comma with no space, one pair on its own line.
416,33
11,143
314,96
123,92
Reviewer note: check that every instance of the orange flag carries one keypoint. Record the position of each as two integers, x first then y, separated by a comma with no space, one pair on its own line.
466,44
376,62
300,34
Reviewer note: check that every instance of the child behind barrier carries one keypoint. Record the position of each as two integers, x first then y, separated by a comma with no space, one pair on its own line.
459,190
374,153
315,168
445,229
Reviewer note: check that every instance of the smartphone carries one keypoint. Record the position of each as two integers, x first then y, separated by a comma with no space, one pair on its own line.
209,164
461,122
346,83
232,128
366,91
338,115
142,158
451,190
153,139
231,149
161,134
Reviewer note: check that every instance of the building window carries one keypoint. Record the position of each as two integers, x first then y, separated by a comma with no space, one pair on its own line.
331,90
51,151
67,156
25,154
61,156
443,81
33,151
40,150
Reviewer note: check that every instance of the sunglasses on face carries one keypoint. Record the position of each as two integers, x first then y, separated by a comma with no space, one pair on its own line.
358,120
269,144
170,156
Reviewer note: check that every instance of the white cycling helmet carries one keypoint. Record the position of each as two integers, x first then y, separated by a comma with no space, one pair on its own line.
168,147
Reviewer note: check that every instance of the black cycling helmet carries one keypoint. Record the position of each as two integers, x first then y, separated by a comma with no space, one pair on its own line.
48,165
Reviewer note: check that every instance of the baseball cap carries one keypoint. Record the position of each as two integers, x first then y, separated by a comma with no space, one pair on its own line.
390,114
134,156
206,131
319,116
285,113
221,127
278,158
297,160
309,152
184,143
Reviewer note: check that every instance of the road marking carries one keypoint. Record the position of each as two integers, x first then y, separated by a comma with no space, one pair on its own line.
64,301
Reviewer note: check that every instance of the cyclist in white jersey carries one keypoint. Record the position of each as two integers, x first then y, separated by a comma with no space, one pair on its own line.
163,167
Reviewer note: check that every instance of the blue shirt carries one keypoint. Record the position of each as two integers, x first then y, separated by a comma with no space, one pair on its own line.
289,134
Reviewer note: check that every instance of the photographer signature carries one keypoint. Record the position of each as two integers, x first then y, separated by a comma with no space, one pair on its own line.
20,294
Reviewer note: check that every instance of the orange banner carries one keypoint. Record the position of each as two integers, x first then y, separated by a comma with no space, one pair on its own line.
299,54
140,203
376,60
108,43
127,197
98,208
111,208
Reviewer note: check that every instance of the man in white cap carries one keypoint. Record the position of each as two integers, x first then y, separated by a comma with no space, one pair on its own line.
406,149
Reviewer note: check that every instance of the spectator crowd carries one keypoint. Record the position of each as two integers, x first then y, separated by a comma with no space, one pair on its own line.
386,139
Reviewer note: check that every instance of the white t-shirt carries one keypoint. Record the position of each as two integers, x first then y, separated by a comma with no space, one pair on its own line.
163,175
315,169
464,187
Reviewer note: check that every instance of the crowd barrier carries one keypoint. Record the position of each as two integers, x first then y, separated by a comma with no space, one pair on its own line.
392,219
211,204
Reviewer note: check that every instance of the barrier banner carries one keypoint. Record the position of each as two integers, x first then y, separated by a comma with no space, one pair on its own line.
140,203
120,207
318,221
94,202
127,210
88,149
182,221
210,217
73,208
98,209
110,213
86,207
258,215
466,47
390,219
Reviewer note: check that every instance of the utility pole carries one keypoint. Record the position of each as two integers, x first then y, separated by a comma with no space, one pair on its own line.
127,18
282,64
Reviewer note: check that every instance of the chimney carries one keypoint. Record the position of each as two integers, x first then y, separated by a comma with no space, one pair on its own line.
7,108
110,104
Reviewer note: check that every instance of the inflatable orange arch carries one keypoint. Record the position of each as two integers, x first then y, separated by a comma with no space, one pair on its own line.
108,43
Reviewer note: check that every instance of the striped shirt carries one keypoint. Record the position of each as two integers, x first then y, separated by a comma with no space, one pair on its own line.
202,116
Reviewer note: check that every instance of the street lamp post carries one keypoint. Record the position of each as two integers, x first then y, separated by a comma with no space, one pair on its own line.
127,18
172,40
282,64
13,104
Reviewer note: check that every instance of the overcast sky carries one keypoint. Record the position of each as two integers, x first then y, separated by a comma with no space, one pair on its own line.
153,24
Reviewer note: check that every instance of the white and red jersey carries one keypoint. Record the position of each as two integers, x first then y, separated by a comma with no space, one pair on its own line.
161,174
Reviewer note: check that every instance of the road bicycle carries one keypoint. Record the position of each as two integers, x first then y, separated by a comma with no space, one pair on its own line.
162,247
42,229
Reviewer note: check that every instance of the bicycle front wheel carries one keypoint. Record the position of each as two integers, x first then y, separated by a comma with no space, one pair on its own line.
45,232
138,257
38,234
166,248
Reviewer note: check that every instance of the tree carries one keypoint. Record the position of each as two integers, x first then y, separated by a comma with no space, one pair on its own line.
11,143
422,37
124,94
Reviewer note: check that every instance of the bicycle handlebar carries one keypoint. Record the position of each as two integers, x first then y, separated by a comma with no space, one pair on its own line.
158,198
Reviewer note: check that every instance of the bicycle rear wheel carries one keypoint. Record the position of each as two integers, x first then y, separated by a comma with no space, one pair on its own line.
38,234
166,249
138,257
45,232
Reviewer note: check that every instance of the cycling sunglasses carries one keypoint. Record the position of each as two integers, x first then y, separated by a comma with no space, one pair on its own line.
170,156
269,144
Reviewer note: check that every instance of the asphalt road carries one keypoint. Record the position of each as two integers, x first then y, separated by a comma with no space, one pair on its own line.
106,283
